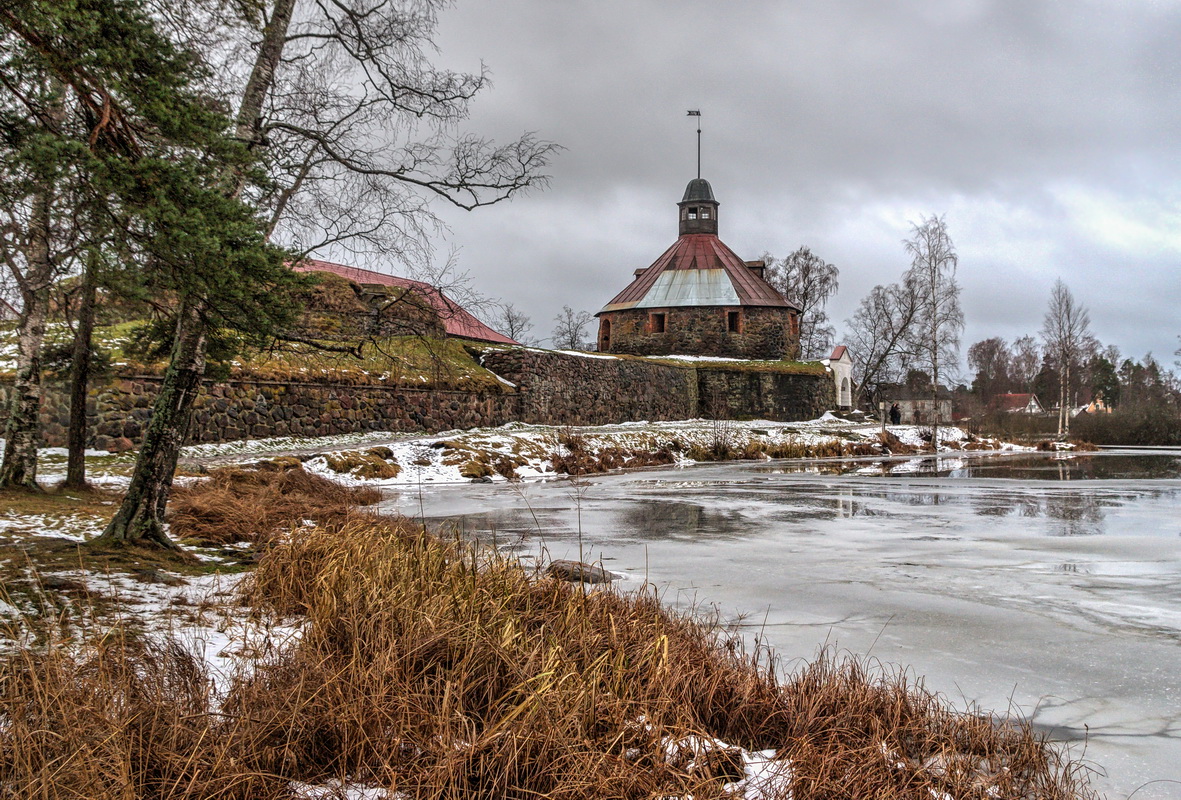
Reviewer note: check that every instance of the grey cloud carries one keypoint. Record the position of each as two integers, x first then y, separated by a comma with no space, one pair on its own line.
832,124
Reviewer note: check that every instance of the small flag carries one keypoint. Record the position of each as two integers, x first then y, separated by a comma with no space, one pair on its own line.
694,113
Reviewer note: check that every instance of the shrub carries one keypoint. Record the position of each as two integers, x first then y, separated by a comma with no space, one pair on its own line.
1140,425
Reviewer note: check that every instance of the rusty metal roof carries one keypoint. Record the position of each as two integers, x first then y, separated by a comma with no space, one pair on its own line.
698,270
457,320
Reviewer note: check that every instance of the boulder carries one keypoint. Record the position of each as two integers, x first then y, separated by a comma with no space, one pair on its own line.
577,571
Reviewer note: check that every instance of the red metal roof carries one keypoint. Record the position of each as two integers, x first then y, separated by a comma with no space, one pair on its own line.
837,353
1013,402
457,321
700,251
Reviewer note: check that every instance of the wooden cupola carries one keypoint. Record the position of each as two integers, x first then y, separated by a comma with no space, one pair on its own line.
698,208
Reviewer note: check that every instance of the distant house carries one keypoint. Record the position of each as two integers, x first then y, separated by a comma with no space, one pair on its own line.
455,320
1017,404
841,365
1096,406
916,405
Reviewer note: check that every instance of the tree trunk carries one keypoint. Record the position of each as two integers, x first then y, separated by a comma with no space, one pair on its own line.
19,467
935,389
247,125
1065,427
1062,400
80,379
140,518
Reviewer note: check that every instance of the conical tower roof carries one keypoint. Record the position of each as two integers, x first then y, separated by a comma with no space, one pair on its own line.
698,270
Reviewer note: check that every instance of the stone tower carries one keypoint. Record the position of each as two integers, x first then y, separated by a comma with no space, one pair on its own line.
699,298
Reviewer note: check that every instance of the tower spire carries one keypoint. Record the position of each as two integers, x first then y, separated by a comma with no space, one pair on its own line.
697,113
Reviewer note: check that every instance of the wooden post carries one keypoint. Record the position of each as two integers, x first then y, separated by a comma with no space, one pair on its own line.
882,411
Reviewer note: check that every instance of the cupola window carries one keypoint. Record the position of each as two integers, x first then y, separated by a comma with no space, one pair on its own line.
693,213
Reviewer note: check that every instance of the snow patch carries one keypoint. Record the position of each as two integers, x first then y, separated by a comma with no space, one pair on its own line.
338,790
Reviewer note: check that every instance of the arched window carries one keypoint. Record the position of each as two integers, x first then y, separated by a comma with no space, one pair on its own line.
605,336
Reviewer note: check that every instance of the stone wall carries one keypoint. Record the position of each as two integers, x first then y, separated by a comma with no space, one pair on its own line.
119,410
594,390
763,333
750,394
550,388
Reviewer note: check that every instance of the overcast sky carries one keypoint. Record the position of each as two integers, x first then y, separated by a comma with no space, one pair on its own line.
1046,132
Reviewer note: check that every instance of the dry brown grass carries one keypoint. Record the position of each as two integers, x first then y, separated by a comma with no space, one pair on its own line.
240,505
574,456
834,448
444,671
894,445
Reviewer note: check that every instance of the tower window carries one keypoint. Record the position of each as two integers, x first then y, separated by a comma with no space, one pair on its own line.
705,213
733,321
656,323
693,213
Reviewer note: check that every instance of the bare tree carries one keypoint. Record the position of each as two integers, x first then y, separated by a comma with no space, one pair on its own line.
513,323
570,329
1065,335
882,333
35,202
810,282
361,131
990,358
1024,363
941,320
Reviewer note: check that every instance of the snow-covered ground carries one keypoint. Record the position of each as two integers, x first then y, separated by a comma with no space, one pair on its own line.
441,458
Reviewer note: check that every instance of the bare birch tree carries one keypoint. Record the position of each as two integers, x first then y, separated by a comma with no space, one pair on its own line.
881,333
34,198
940,318
1065,333
809,281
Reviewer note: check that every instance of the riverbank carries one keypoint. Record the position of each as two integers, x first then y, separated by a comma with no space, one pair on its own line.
522,452
342,653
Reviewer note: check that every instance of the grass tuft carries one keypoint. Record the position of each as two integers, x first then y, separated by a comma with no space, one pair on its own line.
239,505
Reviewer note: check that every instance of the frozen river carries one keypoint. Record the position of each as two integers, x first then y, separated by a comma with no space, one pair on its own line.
1047,585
